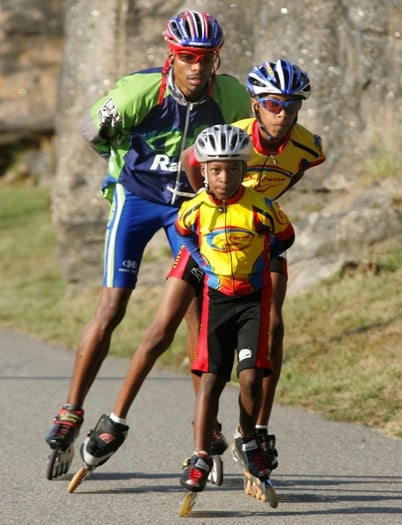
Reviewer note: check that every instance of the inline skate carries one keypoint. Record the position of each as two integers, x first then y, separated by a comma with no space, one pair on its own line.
99,445
60,438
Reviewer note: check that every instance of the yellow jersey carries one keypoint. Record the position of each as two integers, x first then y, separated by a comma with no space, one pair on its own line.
271,172
233,238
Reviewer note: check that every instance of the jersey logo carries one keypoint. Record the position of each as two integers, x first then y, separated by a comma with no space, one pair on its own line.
245,353
198,274
233,239
108,114
162,162
130,264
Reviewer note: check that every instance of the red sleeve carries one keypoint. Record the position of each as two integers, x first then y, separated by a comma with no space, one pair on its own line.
192,160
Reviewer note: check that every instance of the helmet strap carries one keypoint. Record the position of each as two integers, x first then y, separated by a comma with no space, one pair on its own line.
211,84
213,77
162,89
261,125
264,129
204,172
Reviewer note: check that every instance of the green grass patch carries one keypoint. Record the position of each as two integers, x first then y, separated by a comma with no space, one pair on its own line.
343,348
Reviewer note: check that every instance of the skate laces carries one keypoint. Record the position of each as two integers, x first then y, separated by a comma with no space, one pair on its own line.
267,442
255,458
259,461
196,474
199,468
68,419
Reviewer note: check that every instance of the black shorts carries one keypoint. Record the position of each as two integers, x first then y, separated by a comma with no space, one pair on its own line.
232,325
186,269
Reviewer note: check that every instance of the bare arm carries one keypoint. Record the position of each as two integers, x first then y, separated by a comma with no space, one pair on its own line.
192,170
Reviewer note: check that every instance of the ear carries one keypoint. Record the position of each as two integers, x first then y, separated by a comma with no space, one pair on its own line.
254,105
170,57
244,171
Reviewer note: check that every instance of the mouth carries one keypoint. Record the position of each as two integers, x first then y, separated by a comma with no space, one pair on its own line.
280,128
197,80
222,192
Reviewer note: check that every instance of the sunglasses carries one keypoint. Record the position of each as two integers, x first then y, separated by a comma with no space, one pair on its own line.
276,106
193,58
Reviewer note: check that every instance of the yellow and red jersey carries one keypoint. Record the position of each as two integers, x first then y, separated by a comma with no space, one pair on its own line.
271,173
231,239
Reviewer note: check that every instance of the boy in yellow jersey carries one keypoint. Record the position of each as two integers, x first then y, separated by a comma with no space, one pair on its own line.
283,150
231,232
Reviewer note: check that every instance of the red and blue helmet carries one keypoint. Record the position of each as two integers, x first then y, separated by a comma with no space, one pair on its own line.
194,31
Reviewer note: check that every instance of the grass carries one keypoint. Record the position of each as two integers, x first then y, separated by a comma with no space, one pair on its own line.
343,337
35,298
345,360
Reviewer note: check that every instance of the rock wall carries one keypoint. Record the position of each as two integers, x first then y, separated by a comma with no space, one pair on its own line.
352,51
31,41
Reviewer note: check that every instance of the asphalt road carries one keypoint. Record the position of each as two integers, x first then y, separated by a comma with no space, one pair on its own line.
329,473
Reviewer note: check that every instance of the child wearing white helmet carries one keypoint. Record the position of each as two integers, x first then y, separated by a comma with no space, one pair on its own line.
232,232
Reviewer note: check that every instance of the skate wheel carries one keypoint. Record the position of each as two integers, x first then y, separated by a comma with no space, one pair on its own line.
51,460
216,474
256,490
234,454
248,484
77,478
59,462
186,462
270,494
187,504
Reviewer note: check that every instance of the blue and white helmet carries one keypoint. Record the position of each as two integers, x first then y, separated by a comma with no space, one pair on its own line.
223,142
279,78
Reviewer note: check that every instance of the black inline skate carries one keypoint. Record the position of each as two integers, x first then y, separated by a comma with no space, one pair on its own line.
60,438
99,445
194,478
256,468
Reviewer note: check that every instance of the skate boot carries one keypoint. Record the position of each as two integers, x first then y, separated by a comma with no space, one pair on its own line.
237,448
194,477
267,442
250,454
102,441
255,459
66,427
219,443
60,438
256,476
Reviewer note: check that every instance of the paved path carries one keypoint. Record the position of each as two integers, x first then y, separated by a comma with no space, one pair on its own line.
329,473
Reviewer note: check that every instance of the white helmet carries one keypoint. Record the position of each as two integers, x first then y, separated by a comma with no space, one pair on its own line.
223,142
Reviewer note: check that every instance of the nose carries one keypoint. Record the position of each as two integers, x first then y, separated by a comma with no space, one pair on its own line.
284,114
223,176
197,66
